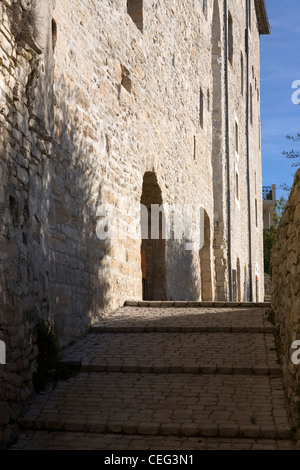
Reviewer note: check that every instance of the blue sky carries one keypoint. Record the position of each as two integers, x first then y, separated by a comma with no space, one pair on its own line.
280,67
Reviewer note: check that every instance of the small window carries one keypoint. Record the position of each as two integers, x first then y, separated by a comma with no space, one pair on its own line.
204,7
230,38
126,79
256,214
208,100
250,13
195,148
201,111
242,74
251,105
135,10
236,137
54,35
237,189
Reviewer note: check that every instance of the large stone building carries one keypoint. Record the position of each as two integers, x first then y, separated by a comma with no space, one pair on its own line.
122,103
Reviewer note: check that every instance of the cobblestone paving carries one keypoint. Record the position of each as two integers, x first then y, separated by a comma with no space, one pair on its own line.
53,440
145,385
135,319
225,353
165,404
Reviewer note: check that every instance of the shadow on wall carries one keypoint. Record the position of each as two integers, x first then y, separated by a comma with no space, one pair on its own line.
184,272
191,269
78,284
170,270
153,249
52,263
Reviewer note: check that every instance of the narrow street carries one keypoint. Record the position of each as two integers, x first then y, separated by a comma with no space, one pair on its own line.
167,377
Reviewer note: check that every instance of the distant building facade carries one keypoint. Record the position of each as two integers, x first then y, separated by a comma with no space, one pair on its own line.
269,204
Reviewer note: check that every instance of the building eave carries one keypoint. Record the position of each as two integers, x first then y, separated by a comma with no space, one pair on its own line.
262,17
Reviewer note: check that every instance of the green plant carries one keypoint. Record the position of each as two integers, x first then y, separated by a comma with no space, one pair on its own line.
24,22
269,235
270,315
50,367
277,342
48,353
296,409
293,154
297,414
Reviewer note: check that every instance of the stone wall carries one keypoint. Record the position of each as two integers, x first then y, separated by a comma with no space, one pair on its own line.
285,290
267,279
25,142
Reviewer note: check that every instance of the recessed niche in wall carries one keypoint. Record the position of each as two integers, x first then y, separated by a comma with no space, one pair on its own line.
126,79
135,10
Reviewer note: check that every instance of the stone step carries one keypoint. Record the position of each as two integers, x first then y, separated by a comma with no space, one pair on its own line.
139,320
167,353
226,370
181,377
180,304
64,440
172,405
181,329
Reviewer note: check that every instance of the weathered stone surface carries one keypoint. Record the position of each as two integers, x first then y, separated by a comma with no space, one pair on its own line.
285,291
166,384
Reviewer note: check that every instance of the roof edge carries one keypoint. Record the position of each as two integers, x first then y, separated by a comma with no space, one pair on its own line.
262,17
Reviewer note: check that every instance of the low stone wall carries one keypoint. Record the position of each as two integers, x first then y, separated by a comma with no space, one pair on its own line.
24,151
267,281
285,292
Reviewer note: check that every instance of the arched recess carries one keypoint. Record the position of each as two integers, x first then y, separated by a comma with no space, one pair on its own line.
238,275
205,263
236,282
153,251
